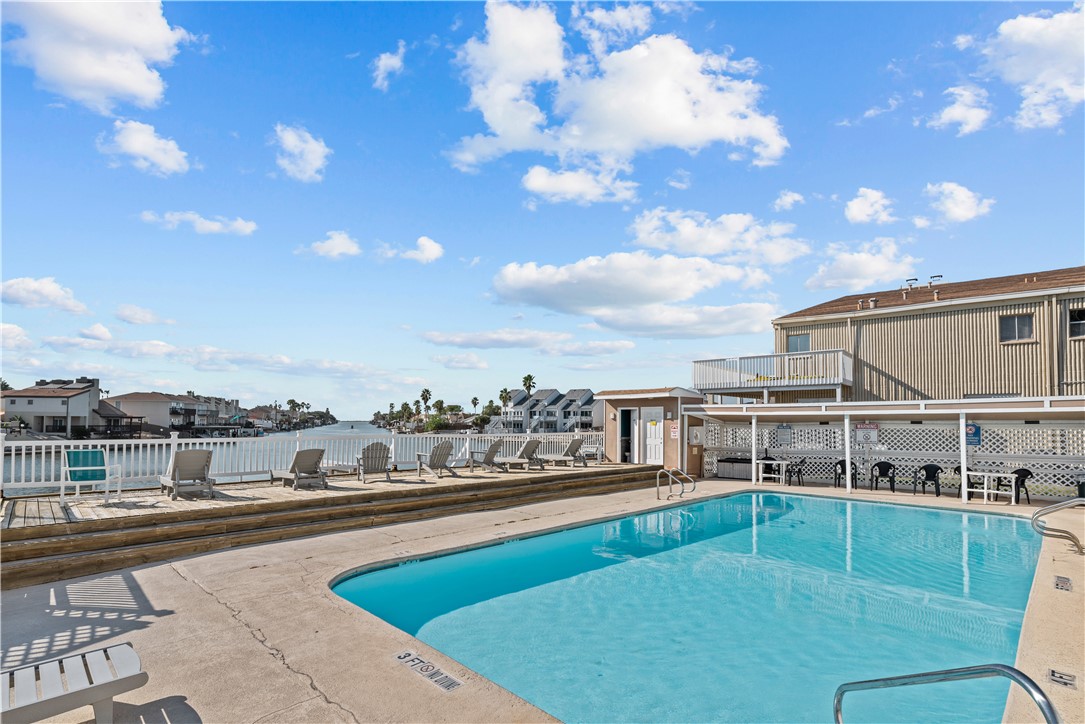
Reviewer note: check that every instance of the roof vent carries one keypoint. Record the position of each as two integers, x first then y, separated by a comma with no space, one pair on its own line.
934,280
936,291
859,304
873,302
904,292
911,282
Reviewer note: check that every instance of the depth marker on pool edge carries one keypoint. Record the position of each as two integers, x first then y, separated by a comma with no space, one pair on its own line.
428,670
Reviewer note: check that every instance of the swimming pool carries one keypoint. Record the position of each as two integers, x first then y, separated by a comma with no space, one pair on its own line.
751,607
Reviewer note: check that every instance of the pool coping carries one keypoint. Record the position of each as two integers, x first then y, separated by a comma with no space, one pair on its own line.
256,633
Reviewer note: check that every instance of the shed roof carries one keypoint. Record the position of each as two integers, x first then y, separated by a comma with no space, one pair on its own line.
652,392
949,292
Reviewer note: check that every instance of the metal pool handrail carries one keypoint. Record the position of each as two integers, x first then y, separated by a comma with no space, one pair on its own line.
675,475
1058,532
968,672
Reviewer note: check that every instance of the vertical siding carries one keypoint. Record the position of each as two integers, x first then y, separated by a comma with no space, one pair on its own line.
948,353
1072,351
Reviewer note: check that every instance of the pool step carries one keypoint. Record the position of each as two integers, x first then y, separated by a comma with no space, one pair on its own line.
85,549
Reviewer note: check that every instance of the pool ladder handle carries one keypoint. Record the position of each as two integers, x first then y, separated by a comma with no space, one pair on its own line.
1058,532
968,672
675,475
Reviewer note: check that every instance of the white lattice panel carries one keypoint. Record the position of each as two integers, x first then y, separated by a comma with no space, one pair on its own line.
1054,453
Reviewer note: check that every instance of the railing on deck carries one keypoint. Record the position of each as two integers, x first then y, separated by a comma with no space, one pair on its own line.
33,467
795,370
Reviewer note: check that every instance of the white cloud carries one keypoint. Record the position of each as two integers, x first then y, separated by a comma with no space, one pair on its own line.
891,105
507,338
619,289
425,251
97,54
338,244
869,205
969,110
96,331
41,293
956,203
872,263
1041,55
589,349
606,109
133,314
387,65
12,336
963,42
921,222
787,200
146,150
467,361
680,179
301,156
739,237
603,28
669,321
581,186
218,225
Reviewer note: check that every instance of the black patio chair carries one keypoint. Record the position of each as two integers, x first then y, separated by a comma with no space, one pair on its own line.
928,474
840,471
794,470
770,469
1018,483
883,470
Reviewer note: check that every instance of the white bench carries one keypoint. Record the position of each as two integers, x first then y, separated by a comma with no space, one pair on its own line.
44,690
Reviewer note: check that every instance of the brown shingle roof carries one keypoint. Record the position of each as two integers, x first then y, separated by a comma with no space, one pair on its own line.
45,392
153,397
952,291
652,391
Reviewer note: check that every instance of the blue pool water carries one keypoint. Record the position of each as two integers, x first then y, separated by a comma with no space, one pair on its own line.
746,608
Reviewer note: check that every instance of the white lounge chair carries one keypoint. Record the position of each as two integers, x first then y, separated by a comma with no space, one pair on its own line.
571,456
436,460
486,459
71,682
524,457
304,469
374,461
188,470
87,467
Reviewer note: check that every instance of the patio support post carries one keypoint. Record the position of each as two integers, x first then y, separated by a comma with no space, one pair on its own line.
964,461
753,450
847,452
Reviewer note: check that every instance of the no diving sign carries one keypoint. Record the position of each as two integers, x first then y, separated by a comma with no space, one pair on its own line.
866,432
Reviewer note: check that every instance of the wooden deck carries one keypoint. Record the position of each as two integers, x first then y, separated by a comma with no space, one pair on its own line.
48,510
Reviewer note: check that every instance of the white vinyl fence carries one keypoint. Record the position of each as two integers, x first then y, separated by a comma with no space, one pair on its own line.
33,467
1055,453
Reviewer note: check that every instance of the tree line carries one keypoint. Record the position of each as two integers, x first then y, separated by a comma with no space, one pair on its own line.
429,414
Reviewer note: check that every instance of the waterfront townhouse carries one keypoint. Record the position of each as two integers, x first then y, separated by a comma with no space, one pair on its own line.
1014,336
64,407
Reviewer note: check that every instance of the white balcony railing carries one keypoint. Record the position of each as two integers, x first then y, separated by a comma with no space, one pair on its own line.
794,370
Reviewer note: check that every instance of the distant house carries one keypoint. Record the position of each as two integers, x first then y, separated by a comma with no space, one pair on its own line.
1014,336
63,406
549,410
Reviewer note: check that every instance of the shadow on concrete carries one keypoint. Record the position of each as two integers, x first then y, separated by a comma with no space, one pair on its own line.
51,620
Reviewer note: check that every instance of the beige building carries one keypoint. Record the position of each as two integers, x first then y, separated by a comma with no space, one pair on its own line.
1015,336
644,426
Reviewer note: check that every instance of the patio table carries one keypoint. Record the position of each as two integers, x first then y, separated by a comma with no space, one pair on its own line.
762,476
988,490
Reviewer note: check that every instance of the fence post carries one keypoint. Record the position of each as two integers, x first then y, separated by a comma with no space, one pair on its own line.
4,449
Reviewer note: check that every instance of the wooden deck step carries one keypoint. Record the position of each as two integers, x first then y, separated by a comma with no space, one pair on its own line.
54,558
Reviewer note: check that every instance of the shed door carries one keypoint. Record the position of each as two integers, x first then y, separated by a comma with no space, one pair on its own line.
653,435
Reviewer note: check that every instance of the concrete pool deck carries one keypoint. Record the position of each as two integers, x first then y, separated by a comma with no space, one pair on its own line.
254,634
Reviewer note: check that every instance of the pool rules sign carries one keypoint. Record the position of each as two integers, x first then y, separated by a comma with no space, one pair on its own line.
866,433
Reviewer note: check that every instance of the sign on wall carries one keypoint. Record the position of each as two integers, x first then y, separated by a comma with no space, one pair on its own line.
866,432
674,429
783,436
973,434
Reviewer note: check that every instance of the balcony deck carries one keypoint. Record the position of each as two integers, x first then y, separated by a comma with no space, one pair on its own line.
827,369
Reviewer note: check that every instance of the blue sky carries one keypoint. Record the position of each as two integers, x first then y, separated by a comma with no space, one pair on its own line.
344,203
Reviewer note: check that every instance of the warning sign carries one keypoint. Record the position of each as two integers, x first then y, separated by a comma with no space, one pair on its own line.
674,429
866,432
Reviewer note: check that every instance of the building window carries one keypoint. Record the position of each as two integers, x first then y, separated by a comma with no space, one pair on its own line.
798,343
63,403
30,402
1015,328
1077,323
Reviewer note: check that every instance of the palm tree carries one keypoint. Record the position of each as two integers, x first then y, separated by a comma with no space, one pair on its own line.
439,407
418,408
505,396
474,404
529,383
426,397
4,384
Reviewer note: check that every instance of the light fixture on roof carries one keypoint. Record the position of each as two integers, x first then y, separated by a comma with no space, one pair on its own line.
934,280
911,282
